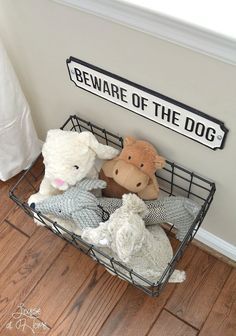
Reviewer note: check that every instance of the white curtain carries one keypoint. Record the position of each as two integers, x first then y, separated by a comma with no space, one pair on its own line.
19,144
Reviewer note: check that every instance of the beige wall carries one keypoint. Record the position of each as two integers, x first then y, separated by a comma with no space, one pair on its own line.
41,34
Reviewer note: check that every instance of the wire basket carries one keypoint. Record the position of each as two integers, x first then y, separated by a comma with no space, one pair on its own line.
173,180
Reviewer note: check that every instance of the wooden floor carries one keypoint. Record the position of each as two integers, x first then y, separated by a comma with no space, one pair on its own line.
43,276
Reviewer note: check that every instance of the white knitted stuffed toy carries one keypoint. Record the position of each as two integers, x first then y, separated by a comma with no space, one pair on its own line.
125,237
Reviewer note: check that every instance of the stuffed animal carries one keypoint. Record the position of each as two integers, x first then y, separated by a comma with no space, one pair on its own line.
133,171
69,157
76,204
125,237
176,210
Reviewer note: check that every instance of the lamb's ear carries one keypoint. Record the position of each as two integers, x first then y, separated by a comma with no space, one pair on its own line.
125,241
160,162
129,140
103,151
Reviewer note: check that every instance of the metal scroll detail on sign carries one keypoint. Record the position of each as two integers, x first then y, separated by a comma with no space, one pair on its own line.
149,104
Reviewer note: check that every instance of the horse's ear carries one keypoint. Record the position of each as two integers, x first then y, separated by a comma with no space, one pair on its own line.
129,140
160,162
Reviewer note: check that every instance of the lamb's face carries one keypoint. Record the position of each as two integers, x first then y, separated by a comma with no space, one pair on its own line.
67,162
70,156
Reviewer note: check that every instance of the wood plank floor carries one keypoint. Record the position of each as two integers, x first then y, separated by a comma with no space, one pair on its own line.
47,287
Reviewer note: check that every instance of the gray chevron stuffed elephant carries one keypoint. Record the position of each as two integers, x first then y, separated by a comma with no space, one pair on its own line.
80,206
77,204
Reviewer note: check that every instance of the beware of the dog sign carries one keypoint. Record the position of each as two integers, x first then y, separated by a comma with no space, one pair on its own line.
147,103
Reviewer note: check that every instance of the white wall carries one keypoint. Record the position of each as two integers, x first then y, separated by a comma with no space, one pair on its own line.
40,35
198,13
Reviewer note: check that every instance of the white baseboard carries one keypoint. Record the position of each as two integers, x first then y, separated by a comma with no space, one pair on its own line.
216,243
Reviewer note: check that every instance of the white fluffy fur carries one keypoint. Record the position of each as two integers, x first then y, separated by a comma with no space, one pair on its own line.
125,237
63,151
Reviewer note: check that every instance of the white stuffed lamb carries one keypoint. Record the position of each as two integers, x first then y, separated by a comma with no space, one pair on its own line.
68,158
125,237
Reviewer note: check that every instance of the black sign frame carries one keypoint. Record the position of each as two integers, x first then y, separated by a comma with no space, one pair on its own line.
152,93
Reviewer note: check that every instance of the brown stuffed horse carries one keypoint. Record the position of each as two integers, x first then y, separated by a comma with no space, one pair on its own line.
133,171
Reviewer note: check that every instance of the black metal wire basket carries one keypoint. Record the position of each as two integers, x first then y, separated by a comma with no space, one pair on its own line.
173,180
